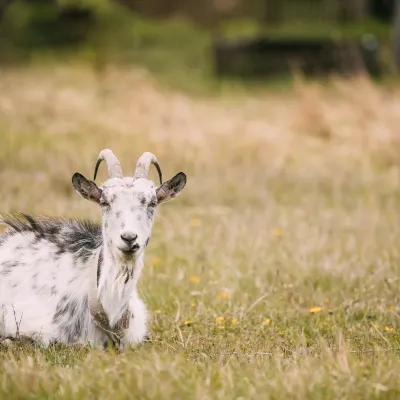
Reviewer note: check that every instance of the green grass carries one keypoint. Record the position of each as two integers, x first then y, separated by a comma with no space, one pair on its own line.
291,203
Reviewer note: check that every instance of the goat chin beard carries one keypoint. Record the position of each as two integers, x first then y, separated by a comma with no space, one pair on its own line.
125,273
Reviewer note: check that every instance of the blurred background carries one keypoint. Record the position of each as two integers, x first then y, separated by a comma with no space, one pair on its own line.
191,43
252,90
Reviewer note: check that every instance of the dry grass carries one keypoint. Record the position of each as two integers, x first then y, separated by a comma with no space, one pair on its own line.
291,204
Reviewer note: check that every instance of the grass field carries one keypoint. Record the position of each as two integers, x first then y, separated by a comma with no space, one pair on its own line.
275,274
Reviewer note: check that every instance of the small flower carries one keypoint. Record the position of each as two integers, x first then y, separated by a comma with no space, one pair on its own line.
195,223
193,305
219,320
392,308
234,321
315,310
278,232
267,322
223,295
188,322
220,327
389,329
194,279
156,261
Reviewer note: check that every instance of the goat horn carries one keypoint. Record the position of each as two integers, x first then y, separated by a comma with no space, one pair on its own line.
143,166
113,165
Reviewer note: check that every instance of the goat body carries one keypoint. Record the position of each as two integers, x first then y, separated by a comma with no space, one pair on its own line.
75,282
45,272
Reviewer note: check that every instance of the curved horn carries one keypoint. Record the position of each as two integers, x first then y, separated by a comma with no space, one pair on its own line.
113,165
143,166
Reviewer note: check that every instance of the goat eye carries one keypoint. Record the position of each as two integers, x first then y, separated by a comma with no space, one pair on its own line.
104,202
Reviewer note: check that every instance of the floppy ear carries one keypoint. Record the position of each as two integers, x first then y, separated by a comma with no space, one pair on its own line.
170,189
87,189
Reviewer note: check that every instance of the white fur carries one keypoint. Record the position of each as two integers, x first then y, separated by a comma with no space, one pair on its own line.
44,290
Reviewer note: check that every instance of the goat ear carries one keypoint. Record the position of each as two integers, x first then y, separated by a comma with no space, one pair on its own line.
170,189
87,189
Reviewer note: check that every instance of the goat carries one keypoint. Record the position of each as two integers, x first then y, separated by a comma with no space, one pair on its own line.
74,282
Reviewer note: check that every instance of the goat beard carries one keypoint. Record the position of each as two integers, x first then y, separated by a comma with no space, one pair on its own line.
125,273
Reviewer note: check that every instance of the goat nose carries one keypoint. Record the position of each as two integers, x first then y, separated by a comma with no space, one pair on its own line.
128,237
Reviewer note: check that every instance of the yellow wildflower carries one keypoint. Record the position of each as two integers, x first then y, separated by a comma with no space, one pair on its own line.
195,222
315,310
194,279
392,308
223,295
219,320
193,305
389,329
156,261
267,322
220,327
234,321
278,232
188,322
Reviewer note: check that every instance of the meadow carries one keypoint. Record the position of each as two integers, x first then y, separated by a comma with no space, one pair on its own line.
274,275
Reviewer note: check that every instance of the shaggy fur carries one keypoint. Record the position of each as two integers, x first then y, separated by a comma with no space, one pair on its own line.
47,266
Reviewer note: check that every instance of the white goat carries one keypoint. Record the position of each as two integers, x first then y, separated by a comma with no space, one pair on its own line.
74,281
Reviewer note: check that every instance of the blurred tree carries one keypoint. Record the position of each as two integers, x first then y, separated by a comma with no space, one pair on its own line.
351,10
152,8
273,11
3,5
397,34
206,12
46,23
382,9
